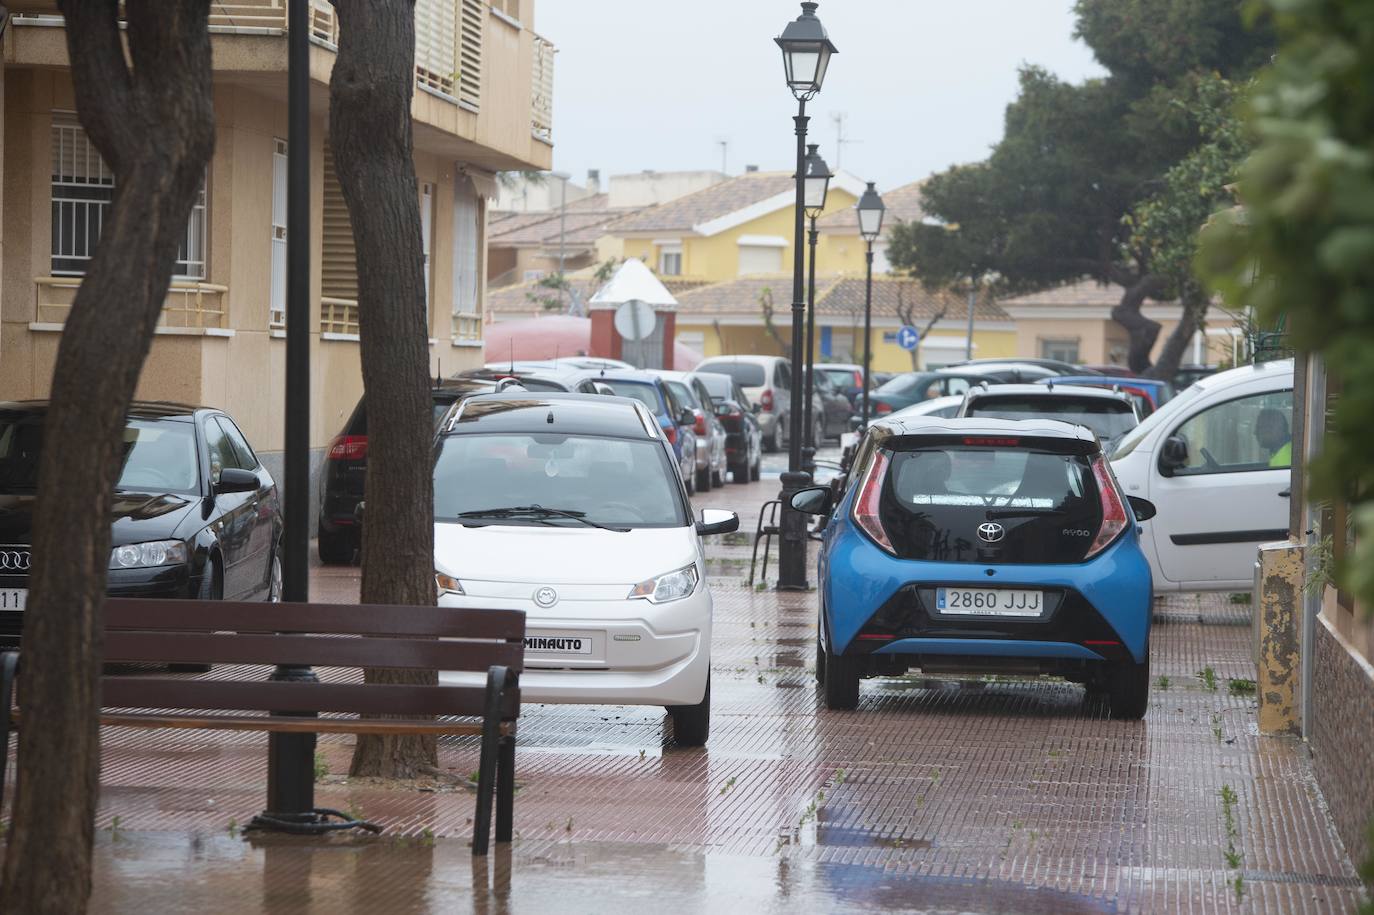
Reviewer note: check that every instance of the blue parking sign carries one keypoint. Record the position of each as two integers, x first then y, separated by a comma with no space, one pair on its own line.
908,338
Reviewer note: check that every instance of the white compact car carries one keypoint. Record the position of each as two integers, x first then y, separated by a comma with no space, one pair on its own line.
570,507
1215,460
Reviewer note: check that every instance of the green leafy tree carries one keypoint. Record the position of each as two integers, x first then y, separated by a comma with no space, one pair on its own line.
1053,202
1302,248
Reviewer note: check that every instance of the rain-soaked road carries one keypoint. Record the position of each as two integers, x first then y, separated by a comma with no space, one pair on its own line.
942,795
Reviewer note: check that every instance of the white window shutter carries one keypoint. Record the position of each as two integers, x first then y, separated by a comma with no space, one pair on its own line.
277,305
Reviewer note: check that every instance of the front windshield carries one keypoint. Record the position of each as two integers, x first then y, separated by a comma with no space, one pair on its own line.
1108,418
158,456
1137,435
612,482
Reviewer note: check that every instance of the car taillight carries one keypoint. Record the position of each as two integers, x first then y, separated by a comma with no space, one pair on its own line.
1114,517
348,448
701,423
767,401
859,380
866,505
670,433
879,408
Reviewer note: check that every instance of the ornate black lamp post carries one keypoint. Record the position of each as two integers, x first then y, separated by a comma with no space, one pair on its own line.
817,181
871,210
806,52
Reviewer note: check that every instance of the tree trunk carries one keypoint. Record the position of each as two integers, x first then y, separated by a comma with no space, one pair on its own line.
370,131
1195,301
166,95
1144,331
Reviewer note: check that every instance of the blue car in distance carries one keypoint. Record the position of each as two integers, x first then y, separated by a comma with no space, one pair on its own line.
983,546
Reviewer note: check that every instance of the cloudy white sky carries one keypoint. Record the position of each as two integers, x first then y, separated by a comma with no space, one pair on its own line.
656,84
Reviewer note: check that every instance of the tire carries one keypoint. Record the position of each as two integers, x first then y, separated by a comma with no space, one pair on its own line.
773,443
756,472
692,723
717,479
335,549
703,481
211,588
841,682
818,435
820,660
740,472
274,577
691,481
1128,690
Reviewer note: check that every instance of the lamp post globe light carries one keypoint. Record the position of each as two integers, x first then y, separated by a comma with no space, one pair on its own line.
871,209
817,180
806,53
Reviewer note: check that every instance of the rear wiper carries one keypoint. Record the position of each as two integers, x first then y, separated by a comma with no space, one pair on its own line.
537,511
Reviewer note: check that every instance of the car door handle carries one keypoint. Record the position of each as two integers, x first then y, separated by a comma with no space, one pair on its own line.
1286,494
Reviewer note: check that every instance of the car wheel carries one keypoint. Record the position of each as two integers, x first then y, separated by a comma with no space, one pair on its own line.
820,660
335,549
818,434
211,588
718,478
703,481
773,443
692,723
1128,690
756,471
841,682
740,472
691,481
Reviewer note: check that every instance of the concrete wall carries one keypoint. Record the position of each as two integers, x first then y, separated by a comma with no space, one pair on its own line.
1341,735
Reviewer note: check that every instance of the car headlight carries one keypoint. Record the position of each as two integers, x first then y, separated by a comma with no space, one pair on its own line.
447,584
667,587
148,555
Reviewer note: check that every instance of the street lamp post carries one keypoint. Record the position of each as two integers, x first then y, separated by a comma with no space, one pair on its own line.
871,210
817,187
806,52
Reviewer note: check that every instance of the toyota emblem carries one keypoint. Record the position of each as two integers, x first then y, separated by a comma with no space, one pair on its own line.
14,560
546,597
991,532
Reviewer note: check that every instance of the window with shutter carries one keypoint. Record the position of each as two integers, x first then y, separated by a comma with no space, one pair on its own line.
466,247
426,239
276,316
436,63
338,257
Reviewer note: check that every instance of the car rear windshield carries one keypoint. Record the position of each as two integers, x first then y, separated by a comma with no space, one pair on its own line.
641,391
615,482
718,386
1044,506
1109,417
158,455
747,374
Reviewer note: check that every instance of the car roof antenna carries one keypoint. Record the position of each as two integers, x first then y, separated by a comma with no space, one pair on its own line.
512,354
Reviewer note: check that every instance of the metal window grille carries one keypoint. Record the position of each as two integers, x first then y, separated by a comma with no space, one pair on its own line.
82,193
277,305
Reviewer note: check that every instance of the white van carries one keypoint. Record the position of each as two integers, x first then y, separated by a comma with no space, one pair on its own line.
1215,462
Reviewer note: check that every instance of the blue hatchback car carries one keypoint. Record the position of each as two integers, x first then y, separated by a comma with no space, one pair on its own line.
983,546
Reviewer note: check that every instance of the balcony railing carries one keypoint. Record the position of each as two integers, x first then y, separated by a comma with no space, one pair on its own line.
338,316
190,305
467,328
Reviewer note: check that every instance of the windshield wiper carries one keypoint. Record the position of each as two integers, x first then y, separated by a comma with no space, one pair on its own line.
537,512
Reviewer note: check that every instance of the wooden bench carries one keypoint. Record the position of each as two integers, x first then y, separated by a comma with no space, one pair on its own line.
189,632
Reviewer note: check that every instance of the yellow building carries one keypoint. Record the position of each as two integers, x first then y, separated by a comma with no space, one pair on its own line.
842,249
482,104
738,228
754,315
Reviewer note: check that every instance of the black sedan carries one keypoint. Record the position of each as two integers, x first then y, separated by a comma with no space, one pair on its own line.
743,435
195,512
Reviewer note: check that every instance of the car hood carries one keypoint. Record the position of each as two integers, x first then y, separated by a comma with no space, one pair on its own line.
561,555
138,517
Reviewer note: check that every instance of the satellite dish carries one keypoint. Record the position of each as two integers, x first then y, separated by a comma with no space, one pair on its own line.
635,320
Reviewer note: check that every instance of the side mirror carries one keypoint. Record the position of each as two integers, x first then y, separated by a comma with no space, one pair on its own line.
1144,509
813,501
756,408
717,521
722,409
358,511
1173,455
686,418
234,479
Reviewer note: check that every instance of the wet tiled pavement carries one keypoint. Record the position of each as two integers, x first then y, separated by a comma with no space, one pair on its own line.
973,794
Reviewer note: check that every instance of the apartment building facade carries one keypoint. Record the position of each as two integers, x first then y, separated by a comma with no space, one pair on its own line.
482,104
